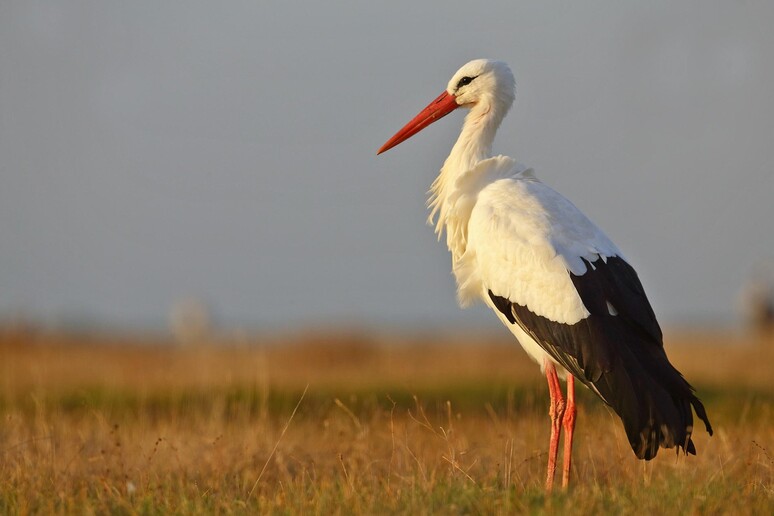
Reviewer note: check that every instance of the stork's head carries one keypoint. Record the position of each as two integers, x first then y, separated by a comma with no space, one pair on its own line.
482,80
479,82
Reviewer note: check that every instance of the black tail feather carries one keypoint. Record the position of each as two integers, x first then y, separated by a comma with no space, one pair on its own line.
654,402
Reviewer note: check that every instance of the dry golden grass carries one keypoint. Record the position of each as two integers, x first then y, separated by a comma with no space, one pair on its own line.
388,424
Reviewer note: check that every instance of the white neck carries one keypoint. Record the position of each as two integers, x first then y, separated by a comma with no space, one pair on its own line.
475,141
473,145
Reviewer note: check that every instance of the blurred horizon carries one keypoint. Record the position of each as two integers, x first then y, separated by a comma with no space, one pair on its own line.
155,154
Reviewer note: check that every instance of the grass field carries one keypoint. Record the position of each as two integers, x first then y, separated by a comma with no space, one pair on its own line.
325,422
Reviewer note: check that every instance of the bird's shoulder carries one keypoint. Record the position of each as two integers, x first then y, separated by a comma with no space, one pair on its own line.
517,210
525,242
535,248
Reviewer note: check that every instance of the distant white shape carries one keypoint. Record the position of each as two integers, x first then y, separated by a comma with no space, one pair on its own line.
190,321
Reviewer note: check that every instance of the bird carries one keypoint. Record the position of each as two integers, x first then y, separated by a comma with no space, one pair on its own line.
553,278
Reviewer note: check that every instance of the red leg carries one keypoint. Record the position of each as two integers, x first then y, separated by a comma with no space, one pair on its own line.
556,411
569,427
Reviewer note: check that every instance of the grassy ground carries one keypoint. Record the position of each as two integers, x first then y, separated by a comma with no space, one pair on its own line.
345,423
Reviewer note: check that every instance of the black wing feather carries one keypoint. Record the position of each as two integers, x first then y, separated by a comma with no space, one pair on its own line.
620,357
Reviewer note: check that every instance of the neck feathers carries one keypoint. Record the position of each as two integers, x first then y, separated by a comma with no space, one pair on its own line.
473,145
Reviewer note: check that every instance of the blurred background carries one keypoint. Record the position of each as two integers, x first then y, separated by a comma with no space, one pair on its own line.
182,163
199,173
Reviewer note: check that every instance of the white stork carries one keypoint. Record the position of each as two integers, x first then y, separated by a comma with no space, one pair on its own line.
552,277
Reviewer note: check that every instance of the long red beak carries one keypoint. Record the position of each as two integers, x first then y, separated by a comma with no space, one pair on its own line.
437,109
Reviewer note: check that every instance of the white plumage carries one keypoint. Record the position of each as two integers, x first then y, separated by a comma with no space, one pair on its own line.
552,277
523,238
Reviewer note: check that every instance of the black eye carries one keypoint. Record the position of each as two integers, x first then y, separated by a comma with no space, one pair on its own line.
465,81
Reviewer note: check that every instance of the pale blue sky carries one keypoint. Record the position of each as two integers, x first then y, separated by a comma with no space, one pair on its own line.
152,151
